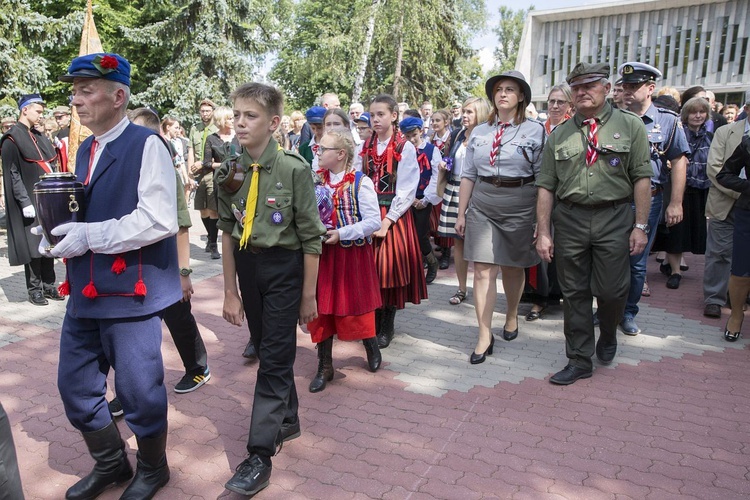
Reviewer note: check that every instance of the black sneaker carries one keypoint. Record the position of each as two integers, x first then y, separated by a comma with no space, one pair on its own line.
189,383
36,297
50,292
290,430
252,476
115,408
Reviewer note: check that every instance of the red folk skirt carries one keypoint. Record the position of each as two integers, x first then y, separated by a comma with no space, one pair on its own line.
348,292
440,241
398,260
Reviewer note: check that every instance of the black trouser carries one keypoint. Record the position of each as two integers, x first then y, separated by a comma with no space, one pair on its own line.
40,271
271,289
10,480
422,225
187,338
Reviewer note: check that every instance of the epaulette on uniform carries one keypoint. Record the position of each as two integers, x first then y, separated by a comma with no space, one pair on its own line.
296,155
667,111
628,112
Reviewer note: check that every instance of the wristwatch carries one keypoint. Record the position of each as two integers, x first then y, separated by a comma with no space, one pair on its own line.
185,271
642,227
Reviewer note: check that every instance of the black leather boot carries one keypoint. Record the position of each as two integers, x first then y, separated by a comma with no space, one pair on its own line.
325,366
386,330
112,466
373,353
152,472
445,258
432,267
378,321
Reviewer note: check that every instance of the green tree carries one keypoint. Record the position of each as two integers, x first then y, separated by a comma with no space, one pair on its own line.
202,48
509,31
326,51
27,35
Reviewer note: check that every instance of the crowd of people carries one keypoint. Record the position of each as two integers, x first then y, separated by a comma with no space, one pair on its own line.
335,221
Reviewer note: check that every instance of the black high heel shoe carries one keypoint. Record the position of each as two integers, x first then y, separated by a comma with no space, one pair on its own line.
475,358
510,334
728,335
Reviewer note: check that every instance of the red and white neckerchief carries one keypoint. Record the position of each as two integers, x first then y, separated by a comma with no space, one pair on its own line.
496,143
94,145
591,151
314,149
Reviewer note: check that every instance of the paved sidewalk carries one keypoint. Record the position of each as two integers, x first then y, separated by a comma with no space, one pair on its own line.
668,419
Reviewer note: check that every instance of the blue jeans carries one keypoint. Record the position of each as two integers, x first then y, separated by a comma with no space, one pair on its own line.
638,262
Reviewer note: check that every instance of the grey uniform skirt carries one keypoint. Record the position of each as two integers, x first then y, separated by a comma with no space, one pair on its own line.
500,225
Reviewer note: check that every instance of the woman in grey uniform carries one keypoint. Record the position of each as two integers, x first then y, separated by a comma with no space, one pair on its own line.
497,203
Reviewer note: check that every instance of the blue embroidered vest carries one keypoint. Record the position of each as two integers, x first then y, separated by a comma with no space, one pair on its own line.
347,209
424,159
112,193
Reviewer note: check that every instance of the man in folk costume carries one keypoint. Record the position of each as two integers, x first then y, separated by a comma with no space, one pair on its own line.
27,155
122,272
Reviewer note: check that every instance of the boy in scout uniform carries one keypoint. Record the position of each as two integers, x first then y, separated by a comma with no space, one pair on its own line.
667,141
271,230
594,164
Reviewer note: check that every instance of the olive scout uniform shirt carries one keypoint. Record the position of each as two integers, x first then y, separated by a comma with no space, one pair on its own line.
287,212
591,244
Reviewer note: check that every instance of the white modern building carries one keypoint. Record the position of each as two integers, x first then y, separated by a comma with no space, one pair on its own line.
692,42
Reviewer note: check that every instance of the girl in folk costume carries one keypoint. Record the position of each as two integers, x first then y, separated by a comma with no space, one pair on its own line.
391,162
348,288
441,139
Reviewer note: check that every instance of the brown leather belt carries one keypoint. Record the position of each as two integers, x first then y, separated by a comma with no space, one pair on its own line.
656,189
507,182
596,206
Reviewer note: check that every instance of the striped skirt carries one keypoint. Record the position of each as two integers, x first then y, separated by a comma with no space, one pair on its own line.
440,241
449,210
398,260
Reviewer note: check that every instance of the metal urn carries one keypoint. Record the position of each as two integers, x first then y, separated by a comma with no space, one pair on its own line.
59,199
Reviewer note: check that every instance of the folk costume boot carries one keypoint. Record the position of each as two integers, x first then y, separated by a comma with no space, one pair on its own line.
445,258
152,472
325,366
378,321
112,466
388,317
432,267
373,353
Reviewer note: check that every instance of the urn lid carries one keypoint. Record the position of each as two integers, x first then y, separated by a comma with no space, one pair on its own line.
59,176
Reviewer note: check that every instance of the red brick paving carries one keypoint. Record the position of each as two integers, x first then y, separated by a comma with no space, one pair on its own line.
676,428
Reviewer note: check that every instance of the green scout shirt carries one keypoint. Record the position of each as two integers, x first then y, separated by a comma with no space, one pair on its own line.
198,139
183,215
623,159
287,211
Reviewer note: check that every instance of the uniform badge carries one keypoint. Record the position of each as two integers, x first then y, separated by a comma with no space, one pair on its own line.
271,200
279,185
277,218
614,162
617,135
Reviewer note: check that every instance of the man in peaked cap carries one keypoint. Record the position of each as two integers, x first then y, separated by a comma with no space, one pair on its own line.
122,273
594,164
27,155
667,143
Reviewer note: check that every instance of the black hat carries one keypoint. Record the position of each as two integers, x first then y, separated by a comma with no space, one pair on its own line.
517,76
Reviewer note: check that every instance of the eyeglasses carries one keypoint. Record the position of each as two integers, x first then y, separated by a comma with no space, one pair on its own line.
363,129
323,149
556,102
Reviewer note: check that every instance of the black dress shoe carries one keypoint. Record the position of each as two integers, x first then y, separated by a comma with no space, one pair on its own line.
249,351
665,269
534,315
475,358
510,334
252,476
673,282
36,297
569,374
712,311
605,353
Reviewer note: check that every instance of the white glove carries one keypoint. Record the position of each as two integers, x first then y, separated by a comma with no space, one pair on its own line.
29,212
75,243
44,244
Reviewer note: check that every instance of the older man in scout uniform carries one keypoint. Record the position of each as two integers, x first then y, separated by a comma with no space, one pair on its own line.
122,273
667,142
594,164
